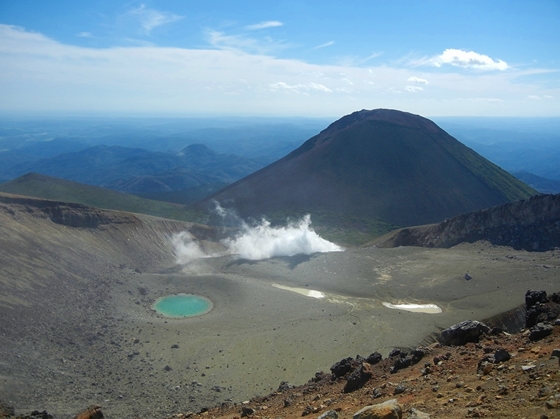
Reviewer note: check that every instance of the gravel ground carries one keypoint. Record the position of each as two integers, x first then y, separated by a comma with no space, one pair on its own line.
78,329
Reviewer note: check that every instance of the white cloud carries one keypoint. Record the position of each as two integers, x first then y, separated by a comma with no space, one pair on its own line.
300,88
326,44
352,61
414,89
468,59
244,43
418,80
85,35
483,99
39,74
537,97
150,18
264,25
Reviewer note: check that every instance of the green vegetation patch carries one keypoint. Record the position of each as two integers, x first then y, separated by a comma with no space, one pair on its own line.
46,187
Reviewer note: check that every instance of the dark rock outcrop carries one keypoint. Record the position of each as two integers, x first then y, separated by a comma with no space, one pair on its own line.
374,358
66,213
247,411
540,307
405,359
343,367
532,224
464,332
354,365
539,331
358,378
501,355
284,385
535,297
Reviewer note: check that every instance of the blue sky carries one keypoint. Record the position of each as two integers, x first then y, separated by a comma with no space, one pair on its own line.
280,58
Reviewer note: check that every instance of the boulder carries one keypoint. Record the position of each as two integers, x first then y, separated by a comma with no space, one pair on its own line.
533,297
540,331
358,378
399,389
501,355
540,307
374,358
405,359
247,411
284,385
390,409
343,367
417,414
330,414
464,332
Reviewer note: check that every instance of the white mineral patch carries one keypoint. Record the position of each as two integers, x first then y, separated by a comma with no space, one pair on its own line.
416,308
302,291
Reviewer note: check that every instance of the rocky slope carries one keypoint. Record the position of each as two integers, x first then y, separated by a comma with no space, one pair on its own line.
497,376
77,286
486,373
532,224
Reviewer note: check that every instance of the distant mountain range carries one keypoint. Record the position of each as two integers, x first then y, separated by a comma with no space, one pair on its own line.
364,175
263,139
373,171
135,170
541,184
47,187
515,144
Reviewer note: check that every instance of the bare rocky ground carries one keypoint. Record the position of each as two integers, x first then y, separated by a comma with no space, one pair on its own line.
77,326
448,382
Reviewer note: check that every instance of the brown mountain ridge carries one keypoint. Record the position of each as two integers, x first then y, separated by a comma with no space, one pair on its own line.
387,167
532,224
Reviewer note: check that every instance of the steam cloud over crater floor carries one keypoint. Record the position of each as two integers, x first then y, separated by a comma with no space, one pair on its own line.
261,241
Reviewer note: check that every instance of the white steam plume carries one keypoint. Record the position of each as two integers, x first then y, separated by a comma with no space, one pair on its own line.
263,241
186,249
258,242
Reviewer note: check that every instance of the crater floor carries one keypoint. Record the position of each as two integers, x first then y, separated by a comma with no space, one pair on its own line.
103,343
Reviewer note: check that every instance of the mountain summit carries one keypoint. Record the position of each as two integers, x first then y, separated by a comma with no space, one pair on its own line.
387,166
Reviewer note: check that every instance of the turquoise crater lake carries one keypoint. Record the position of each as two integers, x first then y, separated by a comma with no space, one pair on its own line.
182,305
